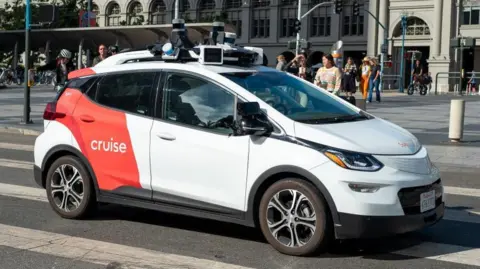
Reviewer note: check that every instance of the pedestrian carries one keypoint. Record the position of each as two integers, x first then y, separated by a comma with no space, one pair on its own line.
102,54
62,65
374,80
349,78
329,77
364,76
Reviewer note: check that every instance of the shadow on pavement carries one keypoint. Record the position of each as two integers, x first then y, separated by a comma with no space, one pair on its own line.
375,249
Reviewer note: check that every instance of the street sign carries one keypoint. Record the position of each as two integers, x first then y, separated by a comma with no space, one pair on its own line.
466,42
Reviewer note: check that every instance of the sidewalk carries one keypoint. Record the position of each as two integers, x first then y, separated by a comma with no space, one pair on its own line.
11,109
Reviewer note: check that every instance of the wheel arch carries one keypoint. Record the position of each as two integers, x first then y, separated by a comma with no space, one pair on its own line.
63,150
277,173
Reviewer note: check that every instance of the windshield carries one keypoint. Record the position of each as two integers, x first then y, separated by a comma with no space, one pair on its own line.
297,99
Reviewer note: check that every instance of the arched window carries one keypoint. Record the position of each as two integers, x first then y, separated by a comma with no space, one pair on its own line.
260,18
206,11
233,10
113,15
320,19
95,9
183,10
352,25
158,12
135,16
288,16
415,27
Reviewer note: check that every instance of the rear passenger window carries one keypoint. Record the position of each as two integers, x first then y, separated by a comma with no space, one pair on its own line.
129,92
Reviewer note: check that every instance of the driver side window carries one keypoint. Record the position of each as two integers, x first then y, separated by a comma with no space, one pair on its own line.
196,102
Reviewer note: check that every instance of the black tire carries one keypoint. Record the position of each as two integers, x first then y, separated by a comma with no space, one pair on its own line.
87,204
323,234
410,90
423,90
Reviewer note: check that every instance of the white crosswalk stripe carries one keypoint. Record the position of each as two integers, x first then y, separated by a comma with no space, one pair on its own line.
104,253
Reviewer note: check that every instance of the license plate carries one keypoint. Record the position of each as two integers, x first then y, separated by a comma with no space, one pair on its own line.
427,201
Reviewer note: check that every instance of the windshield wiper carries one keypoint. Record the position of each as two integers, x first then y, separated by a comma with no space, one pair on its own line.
346,118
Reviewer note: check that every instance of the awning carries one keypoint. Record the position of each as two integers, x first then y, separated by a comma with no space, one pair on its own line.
135,36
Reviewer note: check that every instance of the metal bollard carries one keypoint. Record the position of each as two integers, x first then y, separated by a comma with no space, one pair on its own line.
457,118
361,103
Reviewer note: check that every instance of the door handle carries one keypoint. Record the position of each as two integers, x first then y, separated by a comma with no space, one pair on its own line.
166,136
87,118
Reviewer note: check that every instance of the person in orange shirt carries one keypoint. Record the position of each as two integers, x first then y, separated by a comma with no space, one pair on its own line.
364,76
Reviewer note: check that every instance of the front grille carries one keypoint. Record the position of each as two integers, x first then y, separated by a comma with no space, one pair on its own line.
410,197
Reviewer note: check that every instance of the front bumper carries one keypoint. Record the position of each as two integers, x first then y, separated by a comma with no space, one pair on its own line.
357,226
37,175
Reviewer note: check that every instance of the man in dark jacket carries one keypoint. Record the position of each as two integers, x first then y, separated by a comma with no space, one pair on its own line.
62,66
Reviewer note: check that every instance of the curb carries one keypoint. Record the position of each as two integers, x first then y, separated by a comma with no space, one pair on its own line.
17,130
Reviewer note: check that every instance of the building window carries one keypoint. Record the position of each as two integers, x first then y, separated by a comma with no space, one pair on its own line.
183,10
260,19
288,15
206,11
233,10
352,25
320,19
416,26
135,16
113,15
158,12
471,13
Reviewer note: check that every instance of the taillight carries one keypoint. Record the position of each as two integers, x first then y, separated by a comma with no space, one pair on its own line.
51,113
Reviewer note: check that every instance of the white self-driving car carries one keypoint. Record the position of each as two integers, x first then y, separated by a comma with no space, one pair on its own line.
209,136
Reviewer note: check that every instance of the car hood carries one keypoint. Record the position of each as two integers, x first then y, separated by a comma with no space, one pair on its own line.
373,136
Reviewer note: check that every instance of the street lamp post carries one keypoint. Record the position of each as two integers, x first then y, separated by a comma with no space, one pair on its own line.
402,61
26,107
384,48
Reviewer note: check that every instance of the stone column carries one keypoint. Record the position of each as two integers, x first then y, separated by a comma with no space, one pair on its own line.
372,28
437,30
383,11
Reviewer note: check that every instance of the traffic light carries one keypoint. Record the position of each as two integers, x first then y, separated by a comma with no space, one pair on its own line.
356,8
337,6
298,26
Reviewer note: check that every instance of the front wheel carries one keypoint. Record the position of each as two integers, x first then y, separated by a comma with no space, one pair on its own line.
69,188
294,218
410,89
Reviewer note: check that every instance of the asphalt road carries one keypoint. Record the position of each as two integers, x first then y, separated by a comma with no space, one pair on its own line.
26,217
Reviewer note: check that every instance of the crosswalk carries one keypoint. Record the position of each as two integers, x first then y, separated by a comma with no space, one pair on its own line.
107,253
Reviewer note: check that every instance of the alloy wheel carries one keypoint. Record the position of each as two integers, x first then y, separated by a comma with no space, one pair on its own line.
291,218
67,188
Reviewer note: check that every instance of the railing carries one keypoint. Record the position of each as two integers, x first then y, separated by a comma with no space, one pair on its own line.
449,77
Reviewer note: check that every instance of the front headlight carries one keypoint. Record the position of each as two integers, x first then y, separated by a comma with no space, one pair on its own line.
353,160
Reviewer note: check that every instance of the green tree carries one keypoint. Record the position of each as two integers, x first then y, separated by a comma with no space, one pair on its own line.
12,15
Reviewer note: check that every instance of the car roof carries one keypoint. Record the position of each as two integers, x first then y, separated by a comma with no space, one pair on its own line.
193,67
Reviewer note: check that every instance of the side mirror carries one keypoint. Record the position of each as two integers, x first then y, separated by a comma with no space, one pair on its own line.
253,121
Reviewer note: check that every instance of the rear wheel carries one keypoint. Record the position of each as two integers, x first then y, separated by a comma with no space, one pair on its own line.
423,90
70,189
294,219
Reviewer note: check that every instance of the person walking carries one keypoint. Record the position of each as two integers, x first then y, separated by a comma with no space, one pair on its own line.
349,78
374,80
329,76
364,76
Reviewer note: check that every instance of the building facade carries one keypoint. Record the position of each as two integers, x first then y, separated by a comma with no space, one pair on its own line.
431,24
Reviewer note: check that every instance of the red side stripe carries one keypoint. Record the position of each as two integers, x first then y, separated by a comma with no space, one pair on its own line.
81,73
